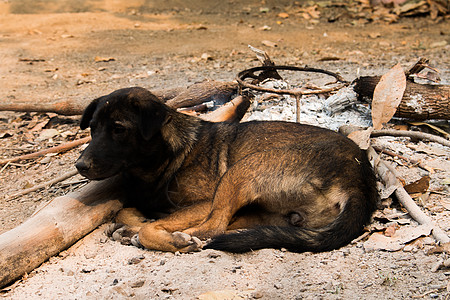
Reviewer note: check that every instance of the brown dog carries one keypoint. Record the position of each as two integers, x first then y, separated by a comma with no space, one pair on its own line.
282,185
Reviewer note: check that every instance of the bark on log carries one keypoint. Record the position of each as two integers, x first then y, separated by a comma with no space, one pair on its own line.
209,90
55,227
419,102
205,91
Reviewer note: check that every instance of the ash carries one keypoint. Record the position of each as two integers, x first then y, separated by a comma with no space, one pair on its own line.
313,108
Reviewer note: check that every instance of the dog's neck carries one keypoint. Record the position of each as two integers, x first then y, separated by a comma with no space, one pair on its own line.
180,135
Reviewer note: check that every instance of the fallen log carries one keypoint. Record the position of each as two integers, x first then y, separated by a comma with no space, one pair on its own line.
419,102
57,226
208,90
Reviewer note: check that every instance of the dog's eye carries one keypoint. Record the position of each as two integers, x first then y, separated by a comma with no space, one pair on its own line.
118,129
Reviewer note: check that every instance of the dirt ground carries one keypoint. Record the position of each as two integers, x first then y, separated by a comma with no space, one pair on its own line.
52,50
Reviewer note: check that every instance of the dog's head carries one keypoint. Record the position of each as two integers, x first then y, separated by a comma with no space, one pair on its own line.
121,124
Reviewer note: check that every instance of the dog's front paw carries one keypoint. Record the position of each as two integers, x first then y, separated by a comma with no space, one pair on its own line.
122,233
185,242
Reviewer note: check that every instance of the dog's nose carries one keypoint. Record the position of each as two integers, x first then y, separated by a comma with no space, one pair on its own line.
82,165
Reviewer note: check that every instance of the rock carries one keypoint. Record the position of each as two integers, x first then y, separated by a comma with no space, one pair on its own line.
278,286
138,283
257,295
136,260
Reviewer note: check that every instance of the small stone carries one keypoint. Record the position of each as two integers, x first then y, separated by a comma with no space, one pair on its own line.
137,284
46,160
257,295
214,254
278,286
136,260
67,272
87,269
206,56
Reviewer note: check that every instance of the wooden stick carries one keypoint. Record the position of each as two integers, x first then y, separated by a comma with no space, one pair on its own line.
388,174
410,160
60,224
57,149
43,185
411,134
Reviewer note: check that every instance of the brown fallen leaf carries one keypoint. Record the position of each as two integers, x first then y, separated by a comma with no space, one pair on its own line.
104,59
313,12
390,231
445,203
387,96
444,248
421,147
405,234
419,186
361,137
283,15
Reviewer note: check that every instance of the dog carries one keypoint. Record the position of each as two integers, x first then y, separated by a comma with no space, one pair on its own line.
243,186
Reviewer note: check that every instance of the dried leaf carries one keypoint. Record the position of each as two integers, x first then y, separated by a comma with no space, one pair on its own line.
390,231
47,134
444,248
269,44
103,59
406,234
283,15
419,186
445,203
443,132
429,149
361,137
387,96
313,12
4,135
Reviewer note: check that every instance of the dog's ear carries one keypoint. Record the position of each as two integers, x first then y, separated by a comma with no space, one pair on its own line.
153,116
88,113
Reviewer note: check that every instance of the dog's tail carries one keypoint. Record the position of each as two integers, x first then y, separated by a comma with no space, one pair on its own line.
347,226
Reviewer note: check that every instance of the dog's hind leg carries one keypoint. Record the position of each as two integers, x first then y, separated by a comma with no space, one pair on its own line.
250,180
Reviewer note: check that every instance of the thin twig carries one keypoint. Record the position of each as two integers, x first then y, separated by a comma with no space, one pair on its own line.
410,160
411,134
405,199
5,166
57,149
43,185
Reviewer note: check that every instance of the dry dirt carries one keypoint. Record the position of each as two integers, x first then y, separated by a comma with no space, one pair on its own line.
48,51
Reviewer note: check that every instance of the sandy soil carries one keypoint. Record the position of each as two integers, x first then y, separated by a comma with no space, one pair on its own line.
48,51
